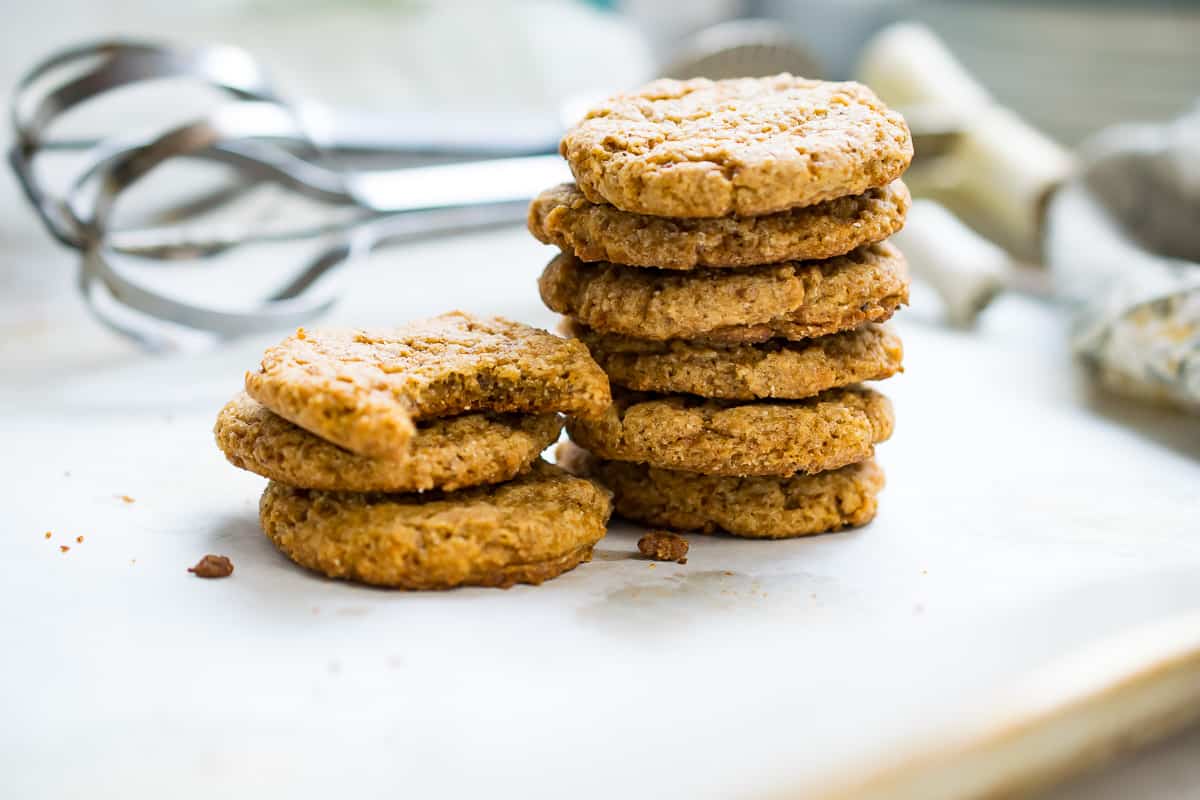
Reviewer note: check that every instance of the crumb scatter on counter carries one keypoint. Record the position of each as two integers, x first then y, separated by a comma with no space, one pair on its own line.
664,546
212,566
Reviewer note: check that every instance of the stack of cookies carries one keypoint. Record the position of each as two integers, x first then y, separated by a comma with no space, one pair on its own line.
410,457
724,260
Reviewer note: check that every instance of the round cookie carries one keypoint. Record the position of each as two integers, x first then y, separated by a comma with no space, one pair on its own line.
747,147
777,368
447,453
525,531
758,508
364,390
794,300
718,437
601,232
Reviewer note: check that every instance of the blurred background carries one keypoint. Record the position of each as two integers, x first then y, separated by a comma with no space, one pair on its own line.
1068,69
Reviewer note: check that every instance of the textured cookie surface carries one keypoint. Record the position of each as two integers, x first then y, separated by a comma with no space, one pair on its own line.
762,508
749,146
364,390
717,437
794,300
601,232
446,453
525,531
777,368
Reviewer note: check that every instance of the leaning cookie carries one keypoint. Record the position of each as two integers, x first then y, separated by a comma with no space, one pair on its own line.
365,390
777,368
717,437
759,508
795,300
447,453
744,147
528,530
591,231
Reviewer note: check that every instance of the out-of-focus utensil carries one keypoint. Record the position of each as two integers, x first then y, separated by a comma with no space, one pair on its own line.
267,137
263,138
976,157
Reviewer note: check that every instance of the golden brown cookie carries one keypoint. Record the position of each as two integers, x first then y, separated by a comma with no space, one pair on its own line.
719,437
601,232
777,368
446,453
759,508
795,300
364,390
525,531
749,146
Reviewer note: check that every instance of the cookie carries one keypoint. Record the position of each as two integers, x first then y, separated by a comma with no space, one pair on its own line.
794,300
720,437
777,368
601,232
365,390
750,146
446,453
759,508
525,531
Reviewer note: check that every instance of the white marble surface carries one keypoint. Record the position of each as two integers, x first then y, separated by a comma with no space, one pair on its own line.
1024,517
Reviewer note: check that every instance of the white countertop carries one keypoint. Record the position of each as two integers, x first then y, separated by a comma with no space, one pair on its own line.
1025,517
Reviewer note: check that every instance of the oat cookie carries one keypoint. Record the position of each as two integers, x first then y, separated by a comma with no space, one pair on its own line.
760,508
525,531
364,390
446,453
794,300
601,232
720,437
749,146
777,368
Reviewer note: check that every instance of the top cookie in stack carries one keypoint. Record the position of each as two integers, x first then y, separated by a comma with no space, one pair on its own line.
724,258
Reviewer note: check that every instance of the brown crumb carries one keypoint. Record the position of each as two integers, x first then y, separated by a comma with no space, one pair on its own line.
48,534
62,548
124,498
664,546
212,567
79,539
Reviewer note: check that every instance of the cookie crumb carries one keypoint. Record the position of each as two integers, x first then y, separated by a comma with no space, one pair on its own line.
664,546
124,498
79,539
212,567
62,548
48,534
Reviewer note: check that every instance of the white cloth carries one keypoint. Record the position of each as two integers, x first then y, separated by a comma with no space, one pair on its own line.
1124,244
